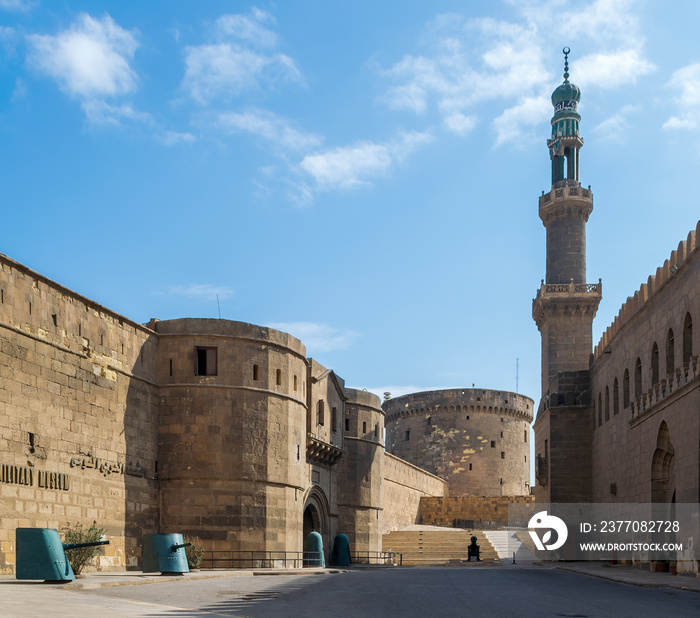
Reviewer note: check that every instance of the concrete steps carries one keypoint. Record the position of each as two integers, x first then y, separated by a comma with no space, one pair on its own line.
506,542
437,546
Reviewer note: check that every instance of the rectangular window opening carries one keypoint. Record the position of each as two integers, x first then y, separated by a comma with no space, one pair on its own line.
255,372
205,361
347,424
279,377
493,444
171,367
470,466
54,319
503,455
408,434
334,418
295,383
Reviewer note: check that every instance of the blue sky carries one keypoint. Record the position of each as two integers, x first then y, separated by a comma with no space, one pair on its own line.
363,175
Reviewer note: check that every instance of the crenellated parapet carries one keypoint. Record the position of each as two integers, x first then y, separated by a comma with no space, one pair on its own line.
671,268
459,401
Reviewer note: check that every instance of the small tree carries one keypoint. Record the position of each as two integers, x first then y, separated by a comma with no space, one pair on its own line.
78,558
194,553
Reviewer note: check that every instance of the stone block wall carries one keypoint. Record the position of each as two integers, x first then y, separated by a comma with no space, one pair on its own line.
646,388
404,486
78,417
482,511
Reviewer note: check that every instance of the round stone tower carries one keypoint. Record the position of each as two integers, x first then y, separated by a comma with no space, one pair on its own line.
361,471
478,440
232,444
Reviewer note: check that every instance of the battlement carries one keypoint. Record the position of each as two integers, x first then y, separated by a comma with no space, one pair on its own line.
671,268
459,401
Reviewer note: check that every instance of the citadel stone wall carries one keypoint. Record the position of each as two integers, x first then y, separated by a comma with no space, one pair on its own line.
404,486
646,389
78,416
478,440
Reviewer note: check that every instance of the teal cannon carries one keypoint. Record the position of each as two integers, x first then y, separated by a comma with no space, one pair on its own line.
164,553
42,555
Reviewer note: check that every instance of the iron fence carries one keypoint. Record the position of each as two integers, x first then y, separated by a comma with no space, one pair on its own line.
242,559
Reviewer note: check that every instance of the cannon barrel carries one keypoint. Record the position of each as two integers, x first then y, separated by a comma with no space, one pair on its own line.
175,547
67,546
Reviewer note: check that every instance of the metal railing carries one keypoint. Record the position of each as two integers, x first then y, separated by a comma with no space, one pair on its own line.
242,559
376,557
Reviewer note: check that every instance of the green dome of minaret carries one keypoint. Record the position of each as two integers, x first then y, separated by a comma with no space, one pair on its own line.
566,91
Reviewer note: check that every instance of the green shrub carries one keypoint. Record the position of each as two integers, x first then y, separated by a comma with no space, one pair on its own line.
78,558
194,553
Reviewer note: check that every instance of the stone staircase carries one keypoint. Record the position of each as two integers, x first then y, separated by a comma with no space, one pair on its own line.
507,542
431,545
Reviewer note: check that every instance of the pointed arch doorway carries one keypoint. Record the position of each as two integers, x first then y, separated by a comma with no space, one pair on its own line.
316,514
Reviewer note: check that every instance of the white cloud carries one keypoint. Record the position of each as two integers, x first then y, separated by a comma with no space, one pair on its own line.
686,81
203,291
531,111
268,126
351,166
611,70
101,112
248,27
468,62
17,5
171,138
318,338
235,64
616,128
459,123
226,70
91,59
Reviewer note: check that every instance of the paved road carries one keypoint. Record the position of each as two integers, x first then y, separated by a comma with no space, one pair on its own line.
433,592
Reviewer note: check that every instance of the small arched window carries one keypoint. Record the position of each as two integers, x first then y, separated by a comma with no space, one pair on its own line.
670,353
364,428
626,389
616,398
638,379
654,364
279,377
600,409
687,339
607,404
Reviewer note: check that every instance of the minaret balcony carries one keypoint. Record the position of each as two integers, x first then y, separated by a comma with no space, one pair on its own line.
566,197
570,297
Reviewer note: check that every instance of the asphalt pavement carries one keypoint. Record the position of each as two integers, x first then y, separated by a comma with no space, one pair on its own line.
555,589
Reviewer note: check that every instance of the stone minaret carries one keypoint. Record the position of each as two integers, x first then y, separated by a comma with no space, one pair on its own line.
564,310
565,303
